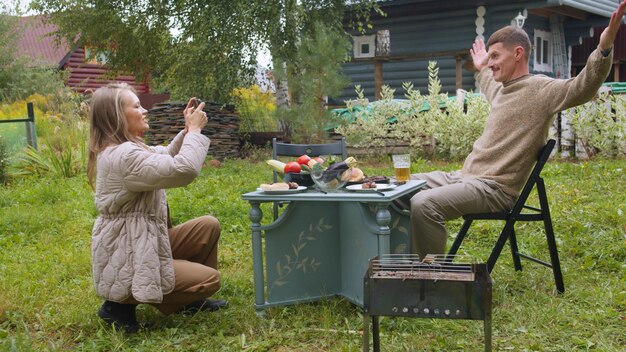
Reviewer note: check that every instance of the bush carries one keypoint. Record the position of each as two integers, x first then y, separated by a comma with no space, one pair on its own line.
600,125
431,125
62,131
256,109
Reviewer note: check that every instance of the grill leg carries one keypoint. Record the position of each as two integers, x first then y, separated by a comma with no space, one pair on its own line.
488,314
366,333
375,336
487,334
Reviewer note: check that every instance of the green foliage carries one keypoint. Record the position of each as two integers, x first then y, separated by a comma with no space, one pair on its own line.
20,76
431,125
315,75
214,45
47,301
62,132
4,161
600,125
256,109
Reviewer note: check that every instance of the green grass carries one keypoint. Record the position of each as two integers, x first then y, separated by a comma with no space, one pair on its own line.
47,301
14,136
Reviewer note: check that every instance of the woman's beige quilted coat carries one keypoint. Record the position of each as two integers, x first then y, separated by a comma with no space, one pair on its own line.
130,247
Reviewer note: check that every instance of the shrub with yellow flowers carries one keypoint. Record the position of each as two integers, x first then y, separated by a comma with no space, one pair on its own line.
256,109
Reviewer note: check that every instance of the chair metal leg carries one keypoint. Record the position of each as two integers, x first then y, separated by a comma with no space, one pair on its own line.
547,222
275,205
517,263
459,237
497,248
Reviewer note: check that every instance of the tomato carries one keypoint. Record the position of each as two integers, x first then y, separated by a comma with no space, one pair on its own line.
319,160
293,167
303,159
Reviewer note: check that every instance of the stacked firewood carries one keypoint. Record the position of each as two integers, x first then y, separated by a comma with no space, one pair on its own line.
166,120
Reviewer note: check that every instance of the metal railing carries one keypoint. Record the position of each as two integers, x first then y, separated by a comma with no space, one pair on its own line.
31,134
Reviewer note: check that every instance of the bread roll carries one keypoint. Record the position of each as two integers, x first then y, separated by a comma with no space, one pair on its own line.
278,186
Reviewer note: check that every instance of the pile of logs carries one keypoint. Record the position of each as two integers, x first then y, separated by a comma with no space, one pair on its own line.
166,120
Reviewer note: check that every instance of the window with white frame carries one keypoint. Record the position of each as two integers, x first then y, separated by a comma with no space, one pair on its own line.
364,46
543,51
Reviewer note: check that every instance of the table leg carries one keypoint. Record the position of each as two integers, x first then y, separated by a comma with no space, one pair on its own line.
256,214
383,219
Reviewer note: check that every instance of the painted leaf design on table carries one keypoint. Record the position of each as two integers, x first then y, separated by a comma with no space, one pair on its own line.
284,269
279,269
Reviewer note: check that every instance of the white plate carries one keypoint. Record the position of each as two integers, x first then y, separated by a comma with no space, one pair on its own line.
284,191
380,187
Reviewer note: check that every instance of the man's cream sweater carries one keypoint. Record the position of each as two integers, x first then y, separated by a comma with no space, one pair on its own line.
522,111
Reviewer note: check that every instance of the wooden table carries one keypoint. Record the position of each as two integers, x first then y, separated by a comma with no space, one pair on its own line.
321,244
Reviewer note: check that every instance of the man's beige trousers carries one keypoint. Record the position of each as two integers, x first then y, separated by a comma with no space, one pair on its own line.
449,195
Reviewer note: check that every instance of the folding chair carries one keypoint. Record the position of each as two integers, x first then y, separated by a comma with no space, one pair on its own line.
514,215
287,149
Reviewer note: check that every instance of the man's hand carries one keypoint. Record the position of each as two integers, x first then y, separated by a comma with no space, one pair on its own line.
608,35
479,54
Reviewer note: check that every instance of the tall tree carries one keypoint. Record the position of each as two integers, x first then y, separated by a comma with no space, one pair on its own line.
194,47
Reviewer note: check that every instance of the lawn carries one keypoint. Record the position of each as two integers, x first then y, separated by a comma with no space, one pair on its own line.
47,301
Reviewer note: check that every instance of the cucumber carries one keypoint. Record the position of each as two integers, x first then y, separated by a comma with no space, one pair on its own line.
277,165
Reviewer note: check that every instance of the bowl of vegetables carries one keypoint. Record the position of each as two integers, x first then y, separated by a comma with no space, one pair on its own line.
334,177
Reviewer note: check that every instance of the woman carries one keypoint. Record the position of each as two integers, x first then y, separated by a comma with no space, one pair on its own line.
136,258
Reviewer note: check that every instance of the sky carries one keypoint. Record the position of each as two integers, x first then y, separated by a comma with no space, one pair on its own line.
11,5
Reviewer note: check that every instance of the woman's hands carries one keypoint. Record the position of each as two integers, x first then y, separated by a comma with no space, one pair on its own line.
195,118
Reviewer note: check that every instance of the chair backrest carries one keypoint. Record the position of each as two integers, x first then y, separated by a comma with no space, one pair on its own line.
535,175
288,149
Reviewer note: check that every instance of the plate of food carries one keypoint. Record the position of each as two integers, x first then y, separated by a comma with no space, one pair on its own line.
371,187
281,188
365,179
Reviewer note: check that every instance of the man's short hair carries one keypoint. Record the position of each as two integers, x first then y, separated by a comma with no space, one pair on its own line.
511,37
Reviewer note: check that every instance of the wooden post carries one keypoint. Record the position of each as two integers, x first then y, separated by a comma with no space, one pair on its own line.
383,50
616,72
378,79
459,72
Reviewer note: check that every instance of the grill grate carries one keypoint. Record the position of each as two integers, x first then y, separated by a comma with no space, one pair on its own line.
441,267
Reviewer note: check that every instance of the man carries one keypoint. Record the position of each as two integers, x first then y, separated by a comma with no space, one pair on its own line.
523,107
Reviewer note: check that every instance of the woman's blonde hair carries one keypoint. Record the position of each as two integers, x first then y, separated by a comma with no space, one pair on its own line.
107,121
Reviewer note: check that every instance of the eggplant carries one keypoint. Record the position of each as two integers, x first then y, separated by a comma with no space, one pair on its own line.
336,169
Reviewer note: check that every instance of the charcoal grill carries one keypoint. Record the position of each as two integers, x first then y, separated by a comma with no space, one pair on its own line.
437,287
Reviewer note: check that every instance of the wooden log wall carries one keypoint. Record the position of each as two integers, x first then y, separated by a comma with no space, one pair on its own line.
166,120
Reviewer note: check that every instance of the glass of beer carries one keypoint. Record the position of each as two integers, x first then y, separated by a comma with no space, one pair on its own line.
402,166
